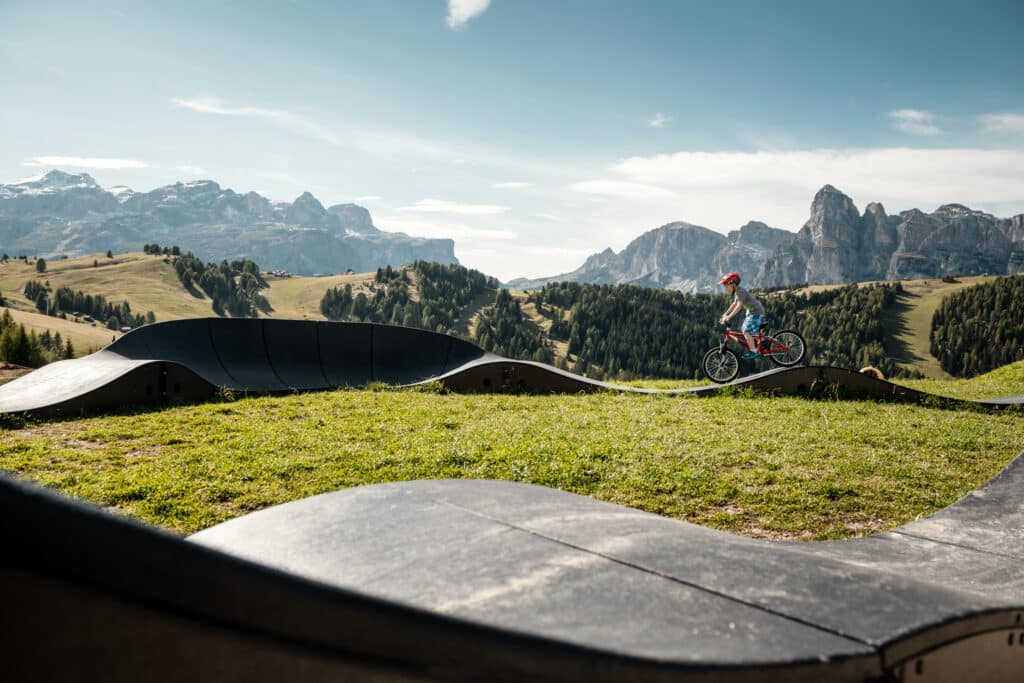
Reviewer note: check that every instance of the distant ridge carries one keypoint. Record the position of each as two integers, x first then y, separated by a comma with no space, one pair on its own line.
60,213
837,245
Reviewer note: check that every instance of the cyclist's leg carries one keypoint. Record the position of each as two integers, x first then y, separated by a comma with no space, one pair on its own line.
751,325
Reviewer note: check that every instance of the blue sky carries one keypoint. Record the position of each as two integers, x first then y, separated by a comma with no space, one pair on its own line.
534,133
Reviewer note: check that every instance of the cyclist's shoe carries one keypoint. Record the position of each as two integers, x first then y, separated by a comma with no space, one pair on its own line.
750,355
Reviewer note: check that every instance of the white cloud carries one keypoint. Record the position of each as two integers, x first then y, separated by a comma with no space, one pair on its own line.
421,228
912,175
192,170
369,198
285,119
511,260
461,11
659,120
512,186
914,121
1004,123
576,251
443,206
370,141
85,162
622,189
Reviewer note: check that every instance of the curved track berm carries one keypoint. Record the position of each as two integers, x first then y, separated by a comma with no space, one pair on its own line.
190,360
498,581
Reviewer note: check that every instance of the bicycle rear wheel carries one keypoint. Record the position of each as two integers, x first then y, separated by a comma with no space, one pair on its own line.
720,365
796,348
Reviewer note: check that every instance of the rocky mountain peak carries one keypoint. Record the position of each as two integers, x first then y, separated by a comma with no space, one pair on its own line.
757,235
830,201
956,211
306,200
600,260
58,180
826,190
307,211
353,217
198,185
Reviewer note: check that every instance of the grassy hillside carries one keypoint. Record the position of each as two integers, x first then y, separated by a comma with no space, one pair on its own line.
85,337
909,322
299,297
148,283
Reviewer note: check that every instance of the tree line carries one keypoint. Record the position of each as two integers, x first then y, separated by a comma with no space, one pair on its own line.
22,347
502,329
156,250
234,287
66,301
444,292
980,328
623,332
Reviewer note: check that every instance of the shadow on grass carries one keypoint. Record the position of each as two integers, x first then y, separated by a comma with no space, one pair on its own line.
194,291
895,321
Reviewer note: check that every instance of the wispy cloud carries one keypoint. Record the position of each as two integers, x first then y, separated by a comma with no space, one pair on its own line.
85,162
1004,123
915,175
461,11
369,141
622,189
914,121
192,170
279,117
443,206
423,228
551,217
369,198
512,186
659,120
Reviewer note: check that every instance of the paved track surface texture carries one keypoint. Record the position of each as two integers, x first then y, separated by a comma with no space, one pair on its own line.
484,580
190,360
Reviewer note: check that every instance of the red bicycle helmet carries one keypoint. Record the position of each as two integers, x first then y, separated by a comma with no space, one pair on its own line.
730,279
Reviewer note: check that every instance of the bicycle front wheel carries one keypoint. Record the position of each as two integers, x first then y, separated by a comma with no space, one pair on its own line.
794,348
721,365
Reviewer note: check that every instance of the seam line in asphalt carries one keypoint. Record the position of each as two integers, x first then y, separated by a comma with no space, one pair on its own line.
959,545
675,579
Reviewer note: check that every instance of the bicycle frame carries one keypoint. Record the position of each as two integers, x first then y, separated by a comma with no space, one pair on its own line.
774,346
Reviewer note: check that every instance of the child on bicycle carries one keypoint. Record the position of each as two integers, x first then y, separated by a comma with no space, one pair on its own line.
755,312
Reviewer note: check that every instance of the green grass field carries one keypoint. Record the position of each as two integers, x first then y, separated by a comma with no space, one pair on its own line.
765,467
909,323
299,297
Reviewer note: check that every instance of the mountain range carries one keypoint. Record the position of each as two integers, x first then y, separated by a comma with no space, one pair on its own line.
71,214
836,245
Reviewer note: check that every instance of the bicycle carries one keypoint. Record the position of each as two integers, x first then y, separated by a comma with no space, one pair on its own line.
785,348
